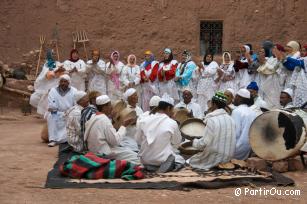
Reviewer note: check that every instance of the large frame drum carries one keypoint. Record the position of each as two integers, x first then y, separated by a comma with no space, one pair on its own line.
278,134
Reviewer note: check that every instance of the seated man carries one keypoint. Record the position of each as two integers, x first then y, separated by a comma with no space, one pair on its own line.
243,117
191,106
258,101
73,126
219,139
131,97
286,98
60,99
153,104
102,138
159,136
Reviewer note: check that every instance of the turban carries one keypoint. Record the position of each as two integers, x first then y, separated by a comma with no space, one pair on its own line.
288,91
244,93
154,101
78,95
167,51
167,99
65,77
220,97
101,100
253,85
129,93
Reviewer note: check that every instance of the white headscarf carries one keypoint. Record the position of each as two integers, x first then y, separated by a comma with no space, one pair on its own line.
66,77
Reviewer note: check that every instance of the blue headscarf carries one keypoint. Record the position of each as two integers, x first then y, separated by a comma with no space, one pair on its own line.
50,61
147,62
253,85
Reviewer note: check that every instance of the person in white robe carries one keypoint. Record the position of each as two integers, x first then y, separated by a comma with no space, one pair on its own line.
243,117
153,104
258,101
73,119
286,98
76,68
149,79
218,142
166,75
60,99
97,68
131,77
102,138
114,70
226,74
207,85
129,141
159,137
47,79
190,105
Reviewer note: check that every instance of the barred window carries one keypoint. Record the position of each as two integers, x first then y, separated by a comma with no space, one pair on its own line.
211,37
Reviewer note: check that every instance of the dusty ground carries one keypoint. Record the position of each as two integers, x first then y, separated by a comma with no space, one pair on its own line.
26,161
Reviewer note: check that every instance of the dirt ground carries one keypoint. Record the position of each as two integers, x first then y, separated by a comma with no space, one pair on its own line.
26,162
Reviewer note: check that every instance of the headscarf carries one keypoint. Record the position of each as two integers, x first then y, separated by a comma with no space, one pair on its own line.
115,62
205,58
71,52
220,97
170,58
294,45
61,91
183,65
253,85
66,77
226,53
152,58
268,46
280,48
96,51
128,60
50,61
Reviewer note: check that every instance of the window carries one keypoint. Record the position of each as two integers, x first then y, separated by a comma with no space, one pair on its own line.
211,37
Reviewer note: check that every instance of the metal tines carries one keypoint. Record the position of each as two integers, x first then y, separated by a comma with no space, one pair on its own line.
82,36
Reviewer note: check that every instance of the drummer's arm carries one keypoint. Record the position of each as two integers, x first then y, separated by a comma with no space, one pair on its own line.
201,143
176,138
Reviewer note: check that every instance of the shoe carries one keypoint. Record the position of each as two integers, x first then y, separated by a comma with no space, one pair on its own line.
52,144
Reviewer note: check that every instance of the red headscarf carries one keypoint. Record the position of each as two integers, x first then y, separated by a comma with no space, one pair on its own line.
71,52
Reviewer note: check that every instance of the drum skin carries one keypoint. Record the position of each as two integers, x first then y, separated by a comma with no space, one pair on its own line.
125,114
277,134
191,134
181,114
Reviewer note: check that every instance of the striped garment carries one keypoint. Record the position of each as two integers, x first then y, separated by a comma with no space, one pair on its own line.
92,166
86,115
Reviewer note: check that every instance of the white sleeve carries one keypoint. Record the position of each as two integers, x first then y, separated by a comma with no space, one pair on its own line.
124,76
176,137
137,76
112,136
201,143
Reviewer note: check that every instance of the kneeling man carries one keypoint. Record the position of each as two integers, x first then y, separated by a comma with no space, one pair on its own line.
102,138
219,139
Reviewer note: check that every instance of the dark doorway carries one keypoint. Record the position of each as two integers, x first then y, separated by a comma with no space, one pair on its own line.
211,37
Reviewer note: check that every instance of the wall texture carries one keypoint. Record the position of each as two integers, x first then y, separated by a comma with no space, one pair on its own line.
132,26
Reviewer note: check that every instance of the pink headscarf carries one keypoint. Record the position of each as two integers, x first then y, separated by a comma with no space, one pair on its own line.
128,60
115,76
115,62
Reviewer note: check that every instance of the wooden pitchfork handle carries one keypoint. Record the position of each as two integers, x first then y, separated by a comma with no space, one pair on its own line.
42,41
57,50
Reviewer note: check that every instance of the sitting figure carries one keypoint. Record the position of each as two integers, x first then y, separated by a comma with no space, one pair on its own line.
73,126
191,106
286,98
159,136
219,139
102,138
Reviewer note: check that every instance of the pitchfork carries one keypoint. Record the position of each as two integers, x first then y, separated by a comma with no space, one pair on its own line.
81,37
42,39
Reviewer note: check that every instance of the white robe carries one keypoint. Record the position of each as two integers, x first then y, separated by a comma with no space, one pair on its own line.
132,75
98,82
115,93
243,117
218,142
57,121
77,78
192,106
206,86
169,86
39,99
159,136
228,71
102,138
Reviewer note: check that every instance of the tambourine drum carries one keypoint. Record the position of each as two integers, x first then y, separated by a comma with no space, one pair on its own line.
278,134
125,114
186,149
181,114
118,106
192,128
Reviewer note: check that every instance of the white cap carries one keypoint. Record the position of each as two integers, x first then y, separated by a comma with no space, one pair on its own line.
128,93
166,98
154,101
187,89
231,91
244,93
66,77
288,91
78,95
103,99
